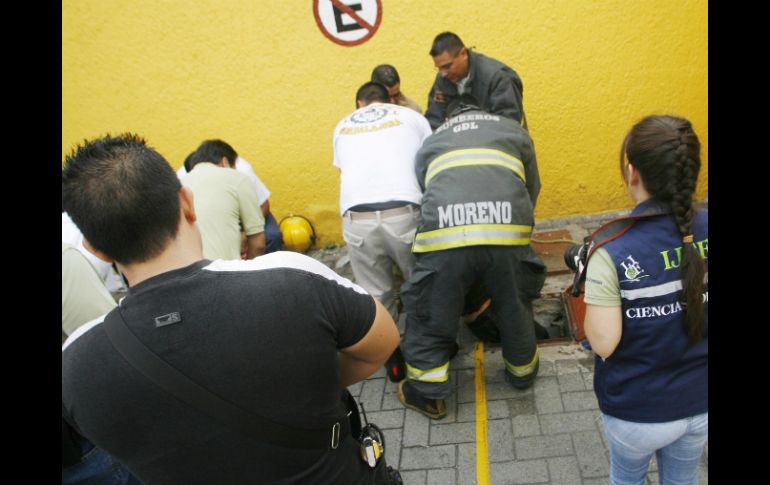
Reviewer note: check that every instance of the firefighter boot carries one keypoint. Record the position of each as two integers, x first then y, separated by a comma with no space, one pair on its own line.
432,408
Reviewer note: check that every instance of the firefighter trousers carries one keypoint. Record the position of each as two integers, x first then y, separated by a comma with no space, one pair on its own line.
433,299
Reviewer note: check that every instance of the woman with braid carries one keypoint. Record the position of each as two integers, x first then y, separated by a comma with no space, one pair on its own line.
646,295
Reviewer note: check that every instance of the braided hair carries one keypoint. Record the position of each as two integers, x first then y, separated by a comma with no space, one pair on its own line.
666,152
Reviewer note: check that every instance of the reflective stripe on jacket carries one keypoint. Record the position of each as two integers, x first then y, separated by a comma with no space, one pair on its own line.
480,181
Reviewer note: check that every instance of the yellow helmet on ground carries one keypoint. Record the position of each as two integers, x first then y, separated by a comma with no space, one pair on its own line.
298,234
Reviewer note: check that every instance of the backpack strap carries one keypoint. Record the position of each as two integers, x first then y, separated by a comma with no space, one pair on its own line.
609,232
182,387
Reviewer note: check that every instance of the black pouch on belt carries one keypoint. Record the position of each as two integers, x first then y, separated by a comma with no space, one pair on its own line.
372,442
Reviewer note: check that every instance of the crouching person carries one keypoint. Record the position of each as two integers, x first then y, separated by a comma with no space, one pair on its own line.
480,180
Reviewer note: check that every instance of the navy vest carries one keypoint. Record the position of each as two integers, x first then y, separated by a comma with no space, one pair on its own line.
654,375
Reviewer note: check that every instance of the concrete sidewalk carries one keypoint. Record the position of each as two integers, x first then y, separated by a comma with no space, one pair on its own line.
550,433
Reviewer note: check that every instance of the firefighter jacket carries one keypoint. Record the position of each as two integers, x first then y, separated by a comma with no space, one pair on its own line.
480,182
497,87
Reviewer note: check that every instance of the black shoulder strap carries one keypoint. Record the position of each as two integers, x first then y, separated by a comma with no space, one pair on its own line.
608,232
189,391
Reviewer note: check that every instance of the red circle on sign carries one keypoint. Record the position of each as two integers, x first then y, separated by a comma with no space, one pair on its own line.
372,28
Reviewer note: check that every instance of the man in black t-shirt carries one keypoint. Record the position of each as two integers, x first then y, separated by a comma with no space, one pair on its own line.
278,336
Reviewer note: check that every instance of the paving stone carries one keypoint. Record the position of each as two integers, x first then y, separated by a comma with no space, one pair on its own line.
387,419
571,382
602,435
522,405
587,364
518,472
441,434
498,409
416,428
414,477
591,454
526,425
597,481
391,387
442,477
355,389
544,446
466,386
567,422
466,464
500,440
393,438
547,396
547,368
564,471
495,410
493,361
579,401
371,394
467,411
566,366
390,400
421,458
588,378
465,359
703,475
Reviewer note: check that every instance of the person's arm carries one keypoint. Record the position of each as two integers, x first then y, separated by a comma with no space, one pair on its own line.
603,322
531,172
505,97
251,217
255,245
437,103
604,327
265,208
369,354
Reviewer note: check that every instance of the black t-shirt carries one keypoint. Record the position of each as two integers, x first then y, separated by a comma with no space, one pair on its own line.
262,334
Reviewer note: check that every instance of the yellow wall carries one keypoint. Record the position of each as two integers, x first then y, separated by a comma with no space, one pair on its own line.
261,76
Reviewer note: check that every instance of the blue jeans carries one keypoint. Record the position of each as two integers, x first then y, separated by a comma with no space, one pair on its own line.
677,445
273,236
97,467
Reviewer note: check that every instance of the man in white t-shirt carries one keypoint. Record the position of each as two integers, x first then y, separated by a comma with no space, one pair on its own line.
374,149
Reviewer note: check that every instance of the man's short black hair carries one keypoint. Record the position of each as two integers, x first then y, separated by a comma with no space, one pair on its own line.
462,103
212,151
188,161
372,92
446,41
123,196
385,74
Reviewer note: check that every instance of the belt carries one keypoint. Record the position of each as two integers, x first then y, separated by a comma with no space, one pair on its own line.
396,211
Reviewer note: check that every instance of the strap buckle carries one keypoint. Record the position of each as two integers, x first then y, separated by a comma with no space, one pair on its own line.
336,435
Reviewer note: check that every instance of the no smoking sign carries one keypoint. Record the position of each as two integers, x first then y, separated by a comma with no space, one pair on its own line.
348,22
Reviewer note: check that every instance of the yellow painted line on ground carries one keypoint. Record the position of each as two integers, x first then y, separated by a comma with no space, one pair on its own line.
482,453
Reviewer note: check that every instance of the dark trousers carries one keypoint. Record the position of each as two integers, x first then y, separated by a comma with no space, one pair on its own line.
434,300
273,236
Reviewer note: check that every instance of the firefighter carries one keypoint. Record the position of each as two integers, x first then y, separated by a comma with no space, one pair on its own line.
480,180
